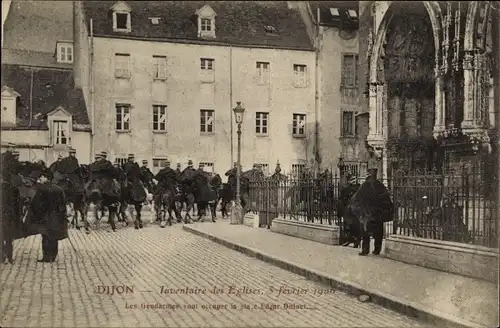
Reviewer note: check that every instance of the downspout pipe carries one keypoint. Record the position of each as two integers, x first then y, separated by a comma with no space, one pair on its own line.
317,92
231,103
92,97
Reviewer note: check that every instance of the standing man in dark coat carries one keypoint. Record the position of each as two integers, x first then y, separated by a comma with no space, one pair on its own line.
350,223
48,209
372,205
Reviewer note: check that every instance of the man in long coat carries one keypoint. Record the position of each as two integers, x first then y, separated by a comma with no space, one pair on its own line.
372,205
48,211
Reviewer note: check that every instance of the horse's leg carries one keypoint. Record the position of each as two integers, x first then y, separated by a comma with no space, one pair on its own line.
177,210
189,205
138,209
112,210
213,210
8,245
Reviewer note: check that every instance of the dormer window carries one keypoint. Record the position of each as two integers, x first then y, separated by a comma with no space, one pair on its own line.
121,17
9,101
206,22
64,52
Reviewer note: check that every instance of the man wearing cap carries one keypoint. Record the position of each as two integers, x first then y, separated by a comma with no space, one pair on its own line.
48,211
103,171
372,205
69,167
53,166
178,169
350,222
133,172
188,171
147,176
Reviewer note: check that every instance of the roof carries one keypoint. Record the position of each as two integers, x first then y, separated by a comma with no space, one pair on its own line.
237,22
31,58
342,20
51,88
38,25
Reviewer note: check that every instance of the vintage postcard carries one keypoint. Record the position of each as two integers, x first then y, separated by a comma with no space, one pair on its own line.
250,164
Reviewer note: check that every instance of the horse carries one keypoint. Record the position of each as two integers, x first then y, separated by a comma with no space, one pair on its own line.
75,196
18,194
165,198
103,193
205,194
133,194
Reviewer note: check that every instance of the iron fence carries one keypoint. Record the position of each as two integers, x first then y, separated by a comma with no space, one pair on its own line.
449,207
458,207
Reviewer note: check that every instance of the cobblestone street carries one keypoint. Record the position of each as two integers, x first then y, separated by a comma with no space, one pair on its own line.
66,293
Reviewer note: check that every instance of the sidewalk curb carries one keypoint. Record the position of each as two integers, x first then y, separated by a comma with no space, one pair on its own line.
387,301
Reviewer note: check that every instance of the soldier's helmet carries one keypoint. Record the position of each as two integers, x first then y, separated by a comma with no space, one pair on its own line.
72,151
201,165
131,156
190,163
15,152
167,163
104,154
178,165
144,162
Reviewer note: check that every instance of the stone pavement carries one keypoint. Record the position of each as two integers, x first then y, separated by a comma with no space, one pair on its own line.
431,295
67,293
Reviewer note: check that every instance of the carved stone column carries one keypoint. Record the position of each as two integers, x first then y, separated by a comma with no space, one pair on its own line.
372,102
469,121
439,103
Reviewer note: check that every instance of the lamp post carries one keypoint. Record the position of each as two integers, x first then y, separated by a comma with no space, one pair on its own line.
237,212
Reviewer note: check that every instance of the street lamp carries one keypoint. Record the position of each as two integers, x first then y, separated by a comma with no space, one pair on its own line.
237,212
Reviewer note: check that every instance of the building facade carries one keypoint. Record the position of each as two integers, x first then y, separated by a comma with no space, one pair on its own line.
163,79
43,111
432,83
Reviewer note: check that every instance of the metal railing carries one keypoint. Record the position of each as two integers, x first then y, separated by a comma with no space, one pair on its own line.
458,207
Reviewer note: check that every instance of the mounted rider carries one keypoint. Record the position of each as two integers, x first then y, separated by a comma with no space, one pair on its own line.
167,178
104,175
53,166
147,176
133,172
68,167
178,169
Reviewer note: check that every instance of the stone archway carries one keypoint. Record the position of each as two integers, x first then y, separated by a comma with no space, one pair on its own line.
380,75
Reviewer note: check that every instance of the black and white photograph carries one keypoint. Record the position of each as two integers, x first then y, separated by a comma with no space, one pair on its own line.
250,164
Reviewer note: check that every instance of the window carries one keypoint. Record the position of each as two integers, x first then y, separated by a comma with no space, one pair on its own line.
206,25
349,76
207,64
299,124
263,167
60,132
122,117
348,123
65,53
349,79
158,164
300,75
208,166
263,72
121,22
160,118
121,160
159,67
206,121
122,65
298,169
261,123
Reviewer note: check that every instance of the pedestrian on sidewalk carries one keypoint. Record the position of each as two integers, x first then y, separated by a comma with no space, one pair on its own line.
350,223
372,205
